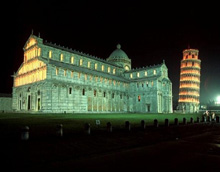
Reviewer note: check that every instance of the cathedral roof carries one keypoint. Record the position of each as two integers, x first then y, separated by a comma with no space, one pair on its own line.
118,54
77,52
86,70
146,68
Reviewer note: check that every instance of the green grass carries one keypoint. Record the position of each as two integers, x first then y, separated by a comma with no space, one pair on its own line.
75,122
43,148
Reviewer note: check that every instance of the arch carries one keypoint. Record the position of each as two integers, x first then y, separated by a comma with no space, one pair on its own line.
95,93
83,91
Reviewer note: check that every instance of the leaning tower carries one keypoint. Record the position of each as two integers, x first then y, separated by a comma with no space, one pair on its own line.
189,81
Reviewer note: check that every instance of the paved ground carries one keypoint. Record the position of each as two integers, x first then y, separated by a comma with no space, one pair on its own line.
194,147
195,153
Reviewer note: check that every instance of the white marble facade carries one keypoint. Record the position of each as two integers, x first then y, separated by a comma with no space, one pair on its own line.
55,79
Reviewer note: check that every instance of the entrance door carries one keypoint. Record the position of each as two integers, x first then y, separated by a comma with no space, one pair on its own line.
38,104
148,108
29,102
20,104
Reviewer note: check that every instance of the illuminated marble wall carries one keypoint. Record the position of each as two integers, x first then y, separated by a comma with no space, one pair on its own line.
55,79
5,103
189,90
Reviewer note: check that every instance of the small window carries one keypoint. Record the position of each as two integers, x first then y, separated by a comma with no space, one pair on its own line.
64,72
139,98
121,96
103,67
81,62
113,95
114,71
147,84
186,56
193,56
104,94
70,90
83,92
57,71
89,64
155,72
72,60
94,93
39,52
96,66
61,57
131,75
127,68
138,74
145,73
50,54
109,69
192,63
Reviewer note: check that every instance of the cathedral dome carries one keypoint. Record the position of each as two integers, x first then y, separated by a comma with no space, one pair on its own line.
118,54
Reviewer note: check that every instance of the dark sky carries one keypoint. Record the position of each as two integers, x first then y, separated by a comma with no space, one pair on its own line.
147,32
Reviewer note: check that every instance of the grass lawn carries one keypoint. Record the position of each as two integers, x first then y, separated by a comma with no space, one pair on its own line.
44,123
43,149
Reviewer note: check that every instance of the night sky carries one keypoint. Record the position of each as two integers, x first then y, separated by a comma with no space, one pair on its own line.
147,32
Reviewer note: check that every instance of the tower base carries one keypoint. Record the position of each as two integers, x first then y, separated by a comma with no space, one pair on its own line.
188,107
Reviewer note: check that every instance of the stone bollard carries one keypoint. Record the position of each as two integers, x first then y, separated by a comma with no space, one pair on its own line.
156,123
209,119
109,127
87,128
143,125
184,121
176,122
166,122
214,119
25,133
59,130
198,120
191,120
203,119
217,119
127,126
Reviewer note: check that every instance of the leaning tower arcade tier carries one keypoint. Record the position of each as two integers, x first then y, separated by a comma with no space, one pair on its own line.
189,90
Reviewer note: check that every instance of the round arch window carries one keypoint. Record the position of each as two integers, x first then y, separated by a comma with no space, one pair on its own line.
127,68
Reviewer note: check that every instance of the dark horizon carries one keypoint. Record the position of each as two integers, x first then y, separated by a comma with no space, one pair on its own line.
148,34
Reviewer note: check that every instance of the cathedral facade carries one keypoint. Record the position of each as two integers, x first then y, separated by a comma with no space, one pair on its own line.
55,79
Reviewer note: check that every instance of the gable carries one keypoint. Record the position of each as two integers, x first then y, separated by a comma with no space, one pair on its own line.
30,42
33,71
30,66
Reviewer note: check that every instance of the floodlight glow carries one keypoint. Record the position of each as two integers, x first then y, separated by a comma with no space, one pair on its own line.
218,100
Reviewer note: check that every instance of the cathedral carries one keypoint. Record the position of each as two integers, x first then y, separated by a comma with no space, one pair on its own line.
56,79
